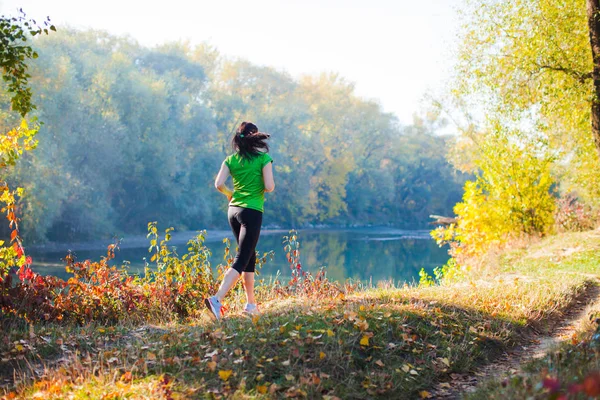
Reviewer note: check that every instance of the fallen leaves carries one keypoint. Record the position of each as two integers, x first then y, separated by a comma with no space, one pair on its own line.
262,389
211,365
127,377
225,374
364,341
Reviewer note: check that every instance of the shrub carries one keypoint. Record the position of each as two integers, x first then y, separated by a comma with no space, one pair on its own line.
573,215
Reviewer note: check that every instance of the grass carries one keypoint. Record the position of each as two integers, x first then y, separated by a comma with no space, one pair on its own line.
376,342
567,371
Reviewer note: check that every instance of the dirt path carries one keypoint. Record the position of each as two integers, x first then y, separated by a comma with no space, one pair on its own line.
535,346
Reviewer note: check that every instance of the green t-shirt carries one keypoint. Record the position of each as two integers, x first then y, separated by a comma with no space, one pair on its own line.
248,183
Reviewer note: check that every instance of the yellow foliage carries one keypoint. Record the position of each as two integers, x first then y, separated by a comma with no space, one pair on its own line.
511,196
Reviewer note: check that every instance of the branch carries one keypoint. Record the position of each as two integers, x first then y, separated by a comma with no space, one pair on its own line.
580,76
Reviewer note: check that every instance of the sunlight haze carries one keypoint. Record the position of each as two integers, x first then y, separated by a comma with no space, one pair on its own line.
395,51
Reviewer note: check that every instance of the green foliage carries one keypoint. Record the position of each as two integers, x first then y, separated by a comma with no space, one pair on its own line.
425,280
530,66
14,57
137,135
447,273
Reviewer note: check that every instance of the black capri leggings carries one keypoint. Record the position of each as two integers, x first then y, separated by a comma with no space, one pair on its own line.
245,224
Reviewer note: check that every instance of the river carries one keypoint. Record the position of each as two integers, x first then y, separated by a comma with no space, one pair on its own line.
366,254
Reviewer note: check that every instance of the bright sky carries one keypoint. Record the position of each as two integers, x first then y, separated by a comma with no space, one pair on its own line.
394,50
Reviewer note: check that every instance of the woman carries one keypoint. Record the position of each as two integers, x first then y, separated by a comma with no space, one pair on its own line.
252,172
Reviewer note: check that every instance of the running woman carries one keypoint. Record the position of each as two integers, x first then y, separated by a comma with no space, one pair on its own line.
252,172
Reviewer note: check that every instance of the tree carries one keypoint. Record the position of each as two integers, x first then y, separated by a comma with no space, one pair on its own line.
593,14
14,58
528,64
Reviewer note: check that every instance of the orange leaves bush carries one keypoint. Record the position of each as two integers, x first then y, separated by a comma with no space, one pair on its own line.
100,292
174,287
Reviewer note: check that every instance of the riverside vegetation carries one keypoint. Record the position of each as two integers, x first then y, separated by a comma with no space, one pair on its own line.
111,335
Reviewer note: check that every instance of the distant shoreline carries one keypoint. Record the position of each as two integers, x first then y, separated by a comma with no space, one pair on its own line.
216,235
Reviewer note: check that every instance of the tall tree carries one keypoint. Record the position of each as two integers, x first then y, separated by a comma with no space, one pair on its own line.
593,14
530,67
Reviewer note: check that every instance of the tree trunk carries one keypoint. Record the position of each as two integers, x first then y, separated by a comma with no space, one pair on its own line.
593,12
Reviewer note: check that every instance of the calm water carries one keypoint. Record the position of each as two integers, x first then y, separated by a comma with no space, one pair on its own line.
364,254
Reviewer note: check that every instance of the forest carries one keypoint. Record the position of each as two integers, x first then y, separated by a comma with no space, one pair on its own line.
131,134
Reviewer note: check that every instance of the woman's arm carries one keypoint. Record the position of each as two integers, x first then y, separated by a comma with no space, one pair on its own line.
220,181
268,177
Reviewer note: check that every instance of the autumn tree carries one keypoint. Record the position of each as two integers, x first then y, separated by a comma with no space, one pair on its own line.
529,64
15,55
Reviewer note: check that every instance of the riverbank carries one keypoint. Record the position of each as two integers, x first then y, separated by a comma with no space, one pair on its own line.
217,235
360,254
366,342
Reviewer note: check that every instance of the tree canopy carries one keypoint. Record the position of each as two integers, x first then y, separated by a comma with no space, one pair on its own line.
133,134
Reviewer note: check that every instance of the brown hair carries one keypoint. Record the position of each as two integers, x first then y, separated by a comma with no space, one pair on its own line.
248,141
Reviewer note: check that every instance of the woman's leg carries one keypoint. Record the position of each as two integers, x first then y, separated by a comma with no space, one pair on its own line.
249,287
232,275
250,221
245,224
250,232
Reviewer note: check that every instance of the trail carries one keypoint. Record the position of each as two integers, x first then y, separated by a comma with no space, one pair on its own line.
535,345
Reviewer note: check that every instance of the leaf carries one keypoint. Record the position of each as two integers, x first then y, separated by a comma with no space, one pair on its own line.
329,332
362,325
445,361
380,363
151,356
289,377
364,341
127,377
211,365
262,389
285,363
425,394
19,347
322,355
225,374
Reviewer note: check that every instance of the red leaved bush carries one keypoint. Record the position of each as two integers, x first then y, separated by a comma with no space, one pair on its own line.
174,287
100,292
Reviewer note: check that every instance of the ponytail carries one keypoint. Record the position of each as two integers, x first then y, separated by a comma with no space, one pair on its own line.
248,141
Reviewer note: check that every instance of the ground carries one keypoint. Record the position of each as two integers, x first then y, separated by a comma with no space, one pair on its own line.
386,341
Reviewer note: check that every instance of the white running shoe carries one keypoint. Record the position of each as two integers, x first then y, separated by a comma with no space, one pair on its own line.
214,306
251,309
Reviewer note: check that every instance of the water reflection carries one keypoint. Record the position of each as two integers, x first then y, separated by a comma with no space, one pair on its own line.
373,254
